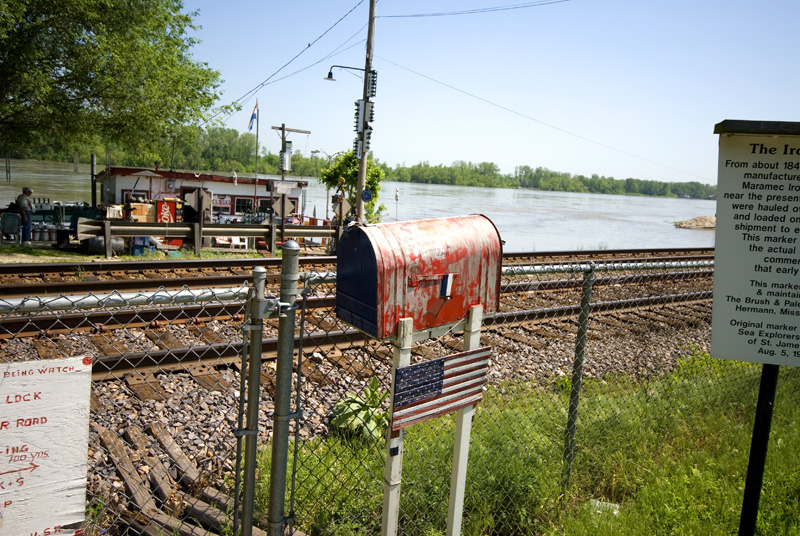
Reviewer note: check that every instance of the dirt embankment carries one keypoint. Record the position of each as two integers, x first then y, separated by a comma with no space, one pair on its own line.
701,222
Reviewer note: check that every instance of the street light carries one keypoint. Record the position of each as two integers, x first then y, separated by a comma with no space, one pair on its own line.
372,78
364,116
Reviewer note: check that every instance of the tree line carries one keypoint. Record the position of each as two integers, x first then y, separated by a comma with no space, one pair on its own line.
117,79
226,150
540,178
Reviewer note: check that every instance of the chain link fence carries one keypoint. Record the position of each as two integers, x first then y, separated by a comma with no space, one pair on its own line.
164,400
588,361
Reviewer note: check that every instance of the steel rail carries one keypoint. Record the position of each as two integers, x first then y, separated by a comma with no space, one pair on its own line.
57,288
207,281
109,267
103,319
141,267
113,367
211,280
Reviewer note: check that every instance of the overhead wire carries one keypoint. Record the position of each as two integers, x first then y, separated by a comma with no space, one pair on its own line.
525,5
241,100
525,116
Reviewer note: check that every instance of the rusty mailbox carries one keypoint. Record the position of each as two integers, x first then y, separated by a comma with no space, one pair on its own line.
430,270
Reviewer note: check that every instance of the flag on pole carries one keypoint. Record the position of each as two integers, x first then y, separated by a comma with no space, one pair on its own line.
254,117
397,194
439,386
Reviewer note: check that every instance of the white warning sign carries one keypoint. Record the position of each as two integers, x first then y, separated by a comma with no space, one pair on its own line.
44,435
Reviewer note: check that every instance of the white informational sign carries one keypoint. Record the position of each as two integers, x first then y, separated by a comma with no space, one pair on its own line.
756,285
44,437
284,187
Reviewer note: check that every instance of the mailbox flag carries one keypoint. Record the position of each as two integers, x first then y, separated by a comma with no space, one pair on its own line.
438,387
447,285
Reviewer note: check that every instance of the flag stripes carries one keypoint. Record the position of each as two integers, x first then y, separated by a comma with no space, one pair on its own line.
439,386
254,117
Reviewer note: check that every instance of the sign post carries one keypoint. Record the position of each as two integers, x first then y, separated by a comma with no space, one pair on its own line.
458,478
431,389
394,441
756,291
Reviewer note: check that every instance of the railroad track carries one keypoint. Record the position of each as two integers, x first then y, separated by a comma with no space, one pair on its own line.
525,302
161,366
49,279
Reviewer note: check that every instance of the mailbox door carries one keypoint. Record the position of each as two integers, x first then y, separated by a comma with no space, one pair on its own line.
357,281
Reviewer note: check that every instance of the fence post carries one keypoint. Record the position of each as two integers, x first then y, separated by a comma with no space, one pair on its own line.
577,373
256,328
290,274
107,238
271,238
197,233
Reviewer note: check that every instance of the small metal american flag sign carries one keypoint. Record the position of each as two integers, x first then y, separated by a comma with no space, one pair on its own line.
438,386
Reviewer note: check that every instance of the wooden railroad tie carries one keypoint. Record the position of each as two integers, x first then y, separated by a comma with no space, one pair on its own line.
186,506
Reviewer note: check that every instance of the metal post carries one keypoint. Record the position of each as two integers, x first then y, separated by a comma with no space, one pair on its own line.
94,180
758,449
250,431
283,178
107,238
197,232
464,416
393,470
577,373
271,238
283,388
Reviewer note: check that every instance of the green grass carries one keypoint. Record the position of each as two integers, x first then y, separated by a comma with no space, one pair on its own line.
671,453
43,254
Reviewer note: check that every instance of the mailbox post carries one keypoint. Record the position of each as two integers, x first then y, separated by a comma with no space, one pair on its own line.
410,281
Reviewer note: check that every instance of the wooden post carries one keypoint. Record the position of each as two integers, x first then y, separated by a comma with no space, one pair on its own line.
394,442
458,477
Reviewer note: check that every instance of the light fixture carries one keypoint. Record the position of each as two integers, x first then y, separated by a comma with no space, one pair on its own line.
330,71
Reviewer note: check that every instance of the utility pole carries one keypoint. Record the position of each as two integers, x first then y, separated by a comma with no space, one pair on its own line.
365,130
286,165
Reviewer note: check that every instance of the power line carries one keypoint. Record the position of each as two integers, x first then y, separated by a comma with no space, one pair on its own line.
524,116
269,78
262,84
476,10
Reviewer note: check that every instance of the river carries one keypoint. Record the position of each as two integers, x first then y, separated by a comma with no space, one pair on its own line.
528,220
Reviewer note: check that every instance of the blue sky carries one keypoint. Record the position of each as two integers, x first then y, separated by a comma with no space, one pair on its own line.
620,88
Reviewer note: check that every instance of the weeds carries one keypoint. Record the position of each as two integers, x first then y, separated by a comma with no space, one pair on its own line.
363,417
667,456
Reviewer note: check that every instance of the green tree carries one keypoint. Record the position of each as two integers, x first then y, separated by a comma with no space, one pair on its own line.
120,70
345,167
